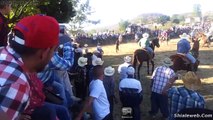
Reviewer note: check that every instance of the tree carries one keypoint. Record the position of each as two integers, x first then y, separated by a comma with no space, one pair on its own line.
197,10
176,18
83,10
163,19
123,25
62,10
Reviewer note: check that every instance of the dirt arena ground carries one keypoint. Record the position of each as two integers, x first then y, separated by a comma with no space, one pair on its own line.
205,71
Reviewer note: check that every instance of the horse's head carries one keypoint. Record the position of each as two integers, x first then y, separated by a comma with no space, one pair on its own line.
155,42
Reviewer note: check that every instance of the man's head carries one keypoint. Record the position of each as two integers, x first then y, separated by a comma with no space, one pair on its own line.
191,81
5,7
98,72
36,37
130,72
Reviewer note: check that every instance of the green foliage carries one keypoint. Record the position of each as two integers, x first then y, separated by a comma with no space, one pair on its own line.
62,10
82,12
177,18
123,25
163,19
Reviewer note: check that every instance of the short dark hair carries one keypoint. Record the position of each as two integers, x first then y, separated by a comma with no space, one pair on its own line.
21,49
4,3
98,70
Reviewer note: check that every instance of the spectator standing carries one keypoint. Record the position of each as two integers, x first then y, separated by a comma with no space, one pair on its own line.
5,8
184,96
130,91
160,78
109,85
97,97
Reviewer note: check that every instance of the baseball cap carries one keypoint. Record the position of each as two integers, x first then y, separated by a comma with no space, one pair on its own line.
39,31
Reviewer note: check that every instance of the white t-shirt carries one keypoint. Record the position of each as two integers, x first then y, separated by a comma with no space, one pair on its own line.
130,83
100,103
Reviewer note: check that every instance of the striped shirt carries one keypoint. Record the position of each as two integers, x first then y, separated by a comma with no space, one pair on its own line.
161,76
181,97
58,63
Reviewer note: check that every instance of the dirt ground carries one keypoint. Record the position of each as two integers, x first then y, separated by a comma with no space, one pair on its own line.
205,71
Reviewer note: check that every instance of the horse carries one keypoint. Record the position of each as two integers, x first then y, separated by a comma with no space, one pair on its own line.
206,40
181,62
141,55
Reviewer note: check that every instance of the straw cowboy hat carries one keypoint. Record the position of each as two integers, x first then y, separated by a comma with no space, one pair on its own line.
82,61
167,62
145,35
109,71
184,36
127,59
97,61
191,81
130,71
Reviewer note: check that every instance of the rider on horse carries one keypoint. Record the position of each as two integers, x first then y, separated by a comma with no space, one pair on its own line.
144,43
210,35
183,48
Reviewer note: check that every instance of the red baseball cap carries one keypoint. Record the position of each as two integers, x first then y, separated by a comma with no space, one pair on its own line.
39,31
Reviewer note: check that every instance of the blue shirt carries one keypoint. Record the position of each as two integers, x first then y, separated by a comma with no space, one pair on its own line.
183,46
181,97
58,63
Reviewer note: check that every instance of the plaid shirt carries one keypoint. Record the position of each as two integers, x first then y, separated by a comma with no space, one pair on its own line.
14,86
161,76
58,63
181,98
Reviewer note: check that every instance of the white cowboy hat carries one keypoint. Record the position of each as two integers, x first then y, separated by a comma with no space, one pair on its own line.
184,36
109,71
82,61
167,62
97,61
127,59
145,35
130,71
78,50
85,45
191,81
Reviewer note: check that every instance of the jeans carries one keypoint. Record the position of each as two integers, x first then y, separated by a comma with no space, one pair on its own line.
50,111
149,49
59,89
159,101
191,58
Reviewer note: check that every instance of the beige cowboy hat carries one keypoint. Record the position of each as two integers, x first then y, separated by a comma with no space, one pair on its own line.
145,35
130,71
184,36
167,62
82,61
97,61
127,59
191,81
109,71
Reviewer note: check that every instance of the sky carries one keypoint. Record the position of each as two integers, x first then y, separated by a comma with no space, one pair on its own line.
110,12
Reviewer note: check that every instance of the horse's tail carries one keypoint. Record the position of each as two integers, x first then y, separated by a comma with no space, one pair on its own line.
134,60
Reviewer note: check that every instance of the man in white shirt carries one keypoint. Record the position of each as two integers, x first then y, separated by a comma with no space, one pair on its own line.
130,91
123,67
97,98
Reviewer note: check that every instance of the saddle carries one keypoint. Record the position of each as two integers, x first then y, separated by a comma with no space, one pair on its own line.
150,55
183,57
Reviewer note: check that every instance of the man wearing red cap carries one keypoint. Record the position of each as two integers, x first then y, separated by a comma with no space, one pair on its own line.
31,48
